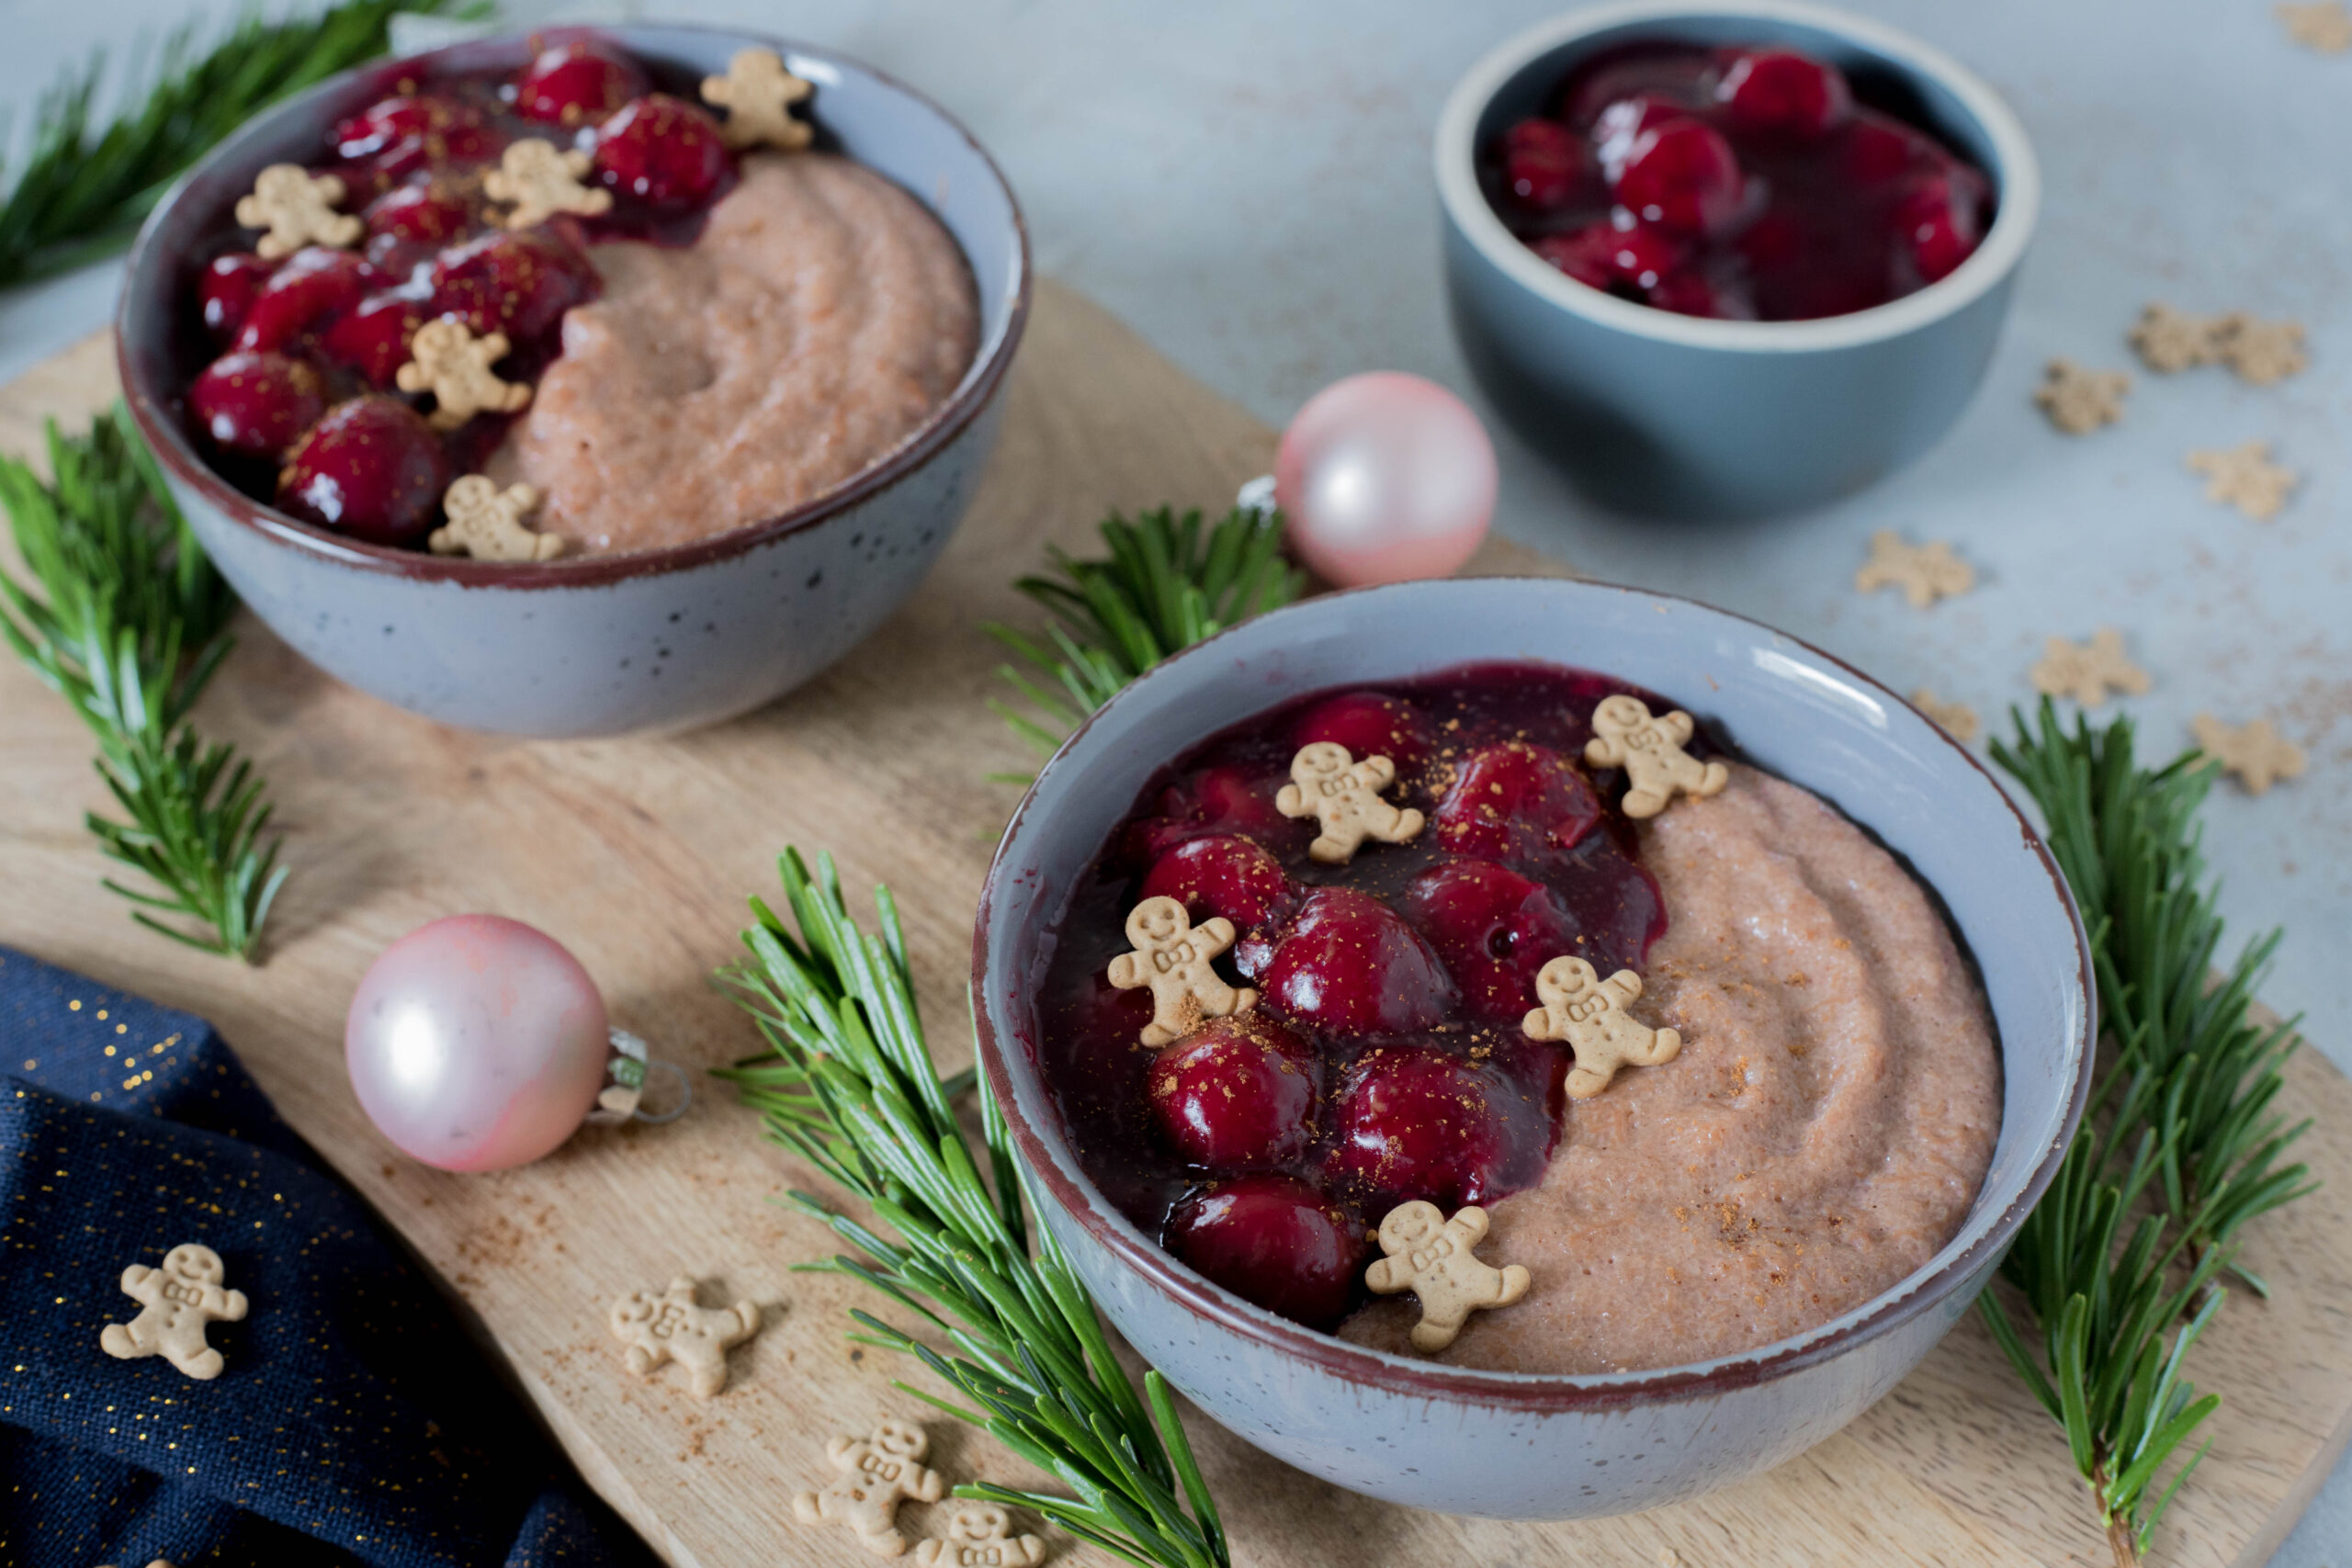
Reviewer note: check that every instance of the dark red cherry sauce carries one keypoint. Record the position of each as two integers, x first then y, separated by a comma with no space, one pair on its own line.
1385,1061
1745,183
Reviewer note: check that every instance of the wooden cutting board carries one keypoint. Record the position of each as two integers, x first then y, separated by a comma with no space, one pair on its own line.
639,854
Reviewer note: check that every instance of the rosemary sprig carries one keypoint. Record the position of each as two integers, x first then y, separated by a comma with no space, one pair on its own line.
2181,1147
852,1088
1166,584
82,192
130,624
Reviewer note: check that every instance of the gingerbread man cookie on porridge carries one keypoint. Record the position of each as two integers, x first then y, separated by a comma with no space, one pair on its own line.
176,1302
671,1328
878,1471
1625,735
1431,1257
1589,1013
1173,957
1343,795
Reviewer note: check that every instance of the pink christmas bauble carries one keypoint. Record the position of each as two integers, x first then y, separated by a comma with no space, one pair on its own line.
476,1043
1383,478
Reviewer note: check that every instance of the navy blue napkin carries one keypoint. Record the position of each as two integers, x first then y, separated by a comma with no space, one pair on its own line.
354,1422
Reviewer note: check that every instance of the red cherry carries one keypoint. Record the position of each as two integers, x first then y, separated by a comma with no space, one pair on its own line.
1620,125
1876,150
371,468
1516,803
1494,928
1543,161
578,83
1369,724
433,213
398,135
1779,91
1272,1241
314,286
373,339
1238,1093
1683,174
1606,256
255,404
663,151
1939,223
1221,875
226,291
1223,799
1693,293
1415,1123
386,122
1347,963
518,284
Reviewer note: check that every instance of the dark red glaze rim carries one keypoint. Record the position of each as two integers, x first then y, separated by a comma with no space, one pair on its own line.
1217,1310
943,425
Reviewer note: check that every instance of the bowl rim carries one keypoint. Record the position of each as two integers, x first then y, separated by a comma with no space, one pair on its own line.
168,439
2016,169
1215,1308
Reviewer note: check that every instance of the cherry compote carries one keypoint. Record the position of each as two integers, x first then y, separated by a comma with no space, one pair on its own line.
1385,1060
290,366
1746,184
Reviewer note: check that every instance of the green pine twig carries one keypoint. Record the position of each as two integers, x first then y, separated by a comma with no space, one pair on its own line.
850,1085
2118,1269
82,191
1165,583
128,624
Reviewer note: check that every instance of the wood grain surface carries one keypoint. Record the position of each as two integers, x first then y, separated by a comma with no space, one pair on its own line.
638,854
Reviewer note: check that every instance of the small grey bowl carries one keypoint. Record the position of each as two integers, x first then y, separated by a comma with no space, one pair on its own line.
606,645
1664,414
1517,1444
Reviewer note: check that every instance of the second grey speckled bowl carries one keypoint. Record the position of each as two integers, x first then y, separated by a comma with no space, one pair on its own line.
1664,414
1513,1444
663,640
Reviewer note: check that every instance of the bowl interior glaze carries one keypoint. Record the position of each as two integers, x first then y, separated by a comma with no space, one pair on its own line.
1778,702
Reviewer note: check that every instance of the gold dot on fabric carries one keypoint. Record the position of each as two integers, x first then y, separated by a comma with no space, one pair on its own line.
32,1064
110,1050
102,1015
94,1097
122,1029
74,1007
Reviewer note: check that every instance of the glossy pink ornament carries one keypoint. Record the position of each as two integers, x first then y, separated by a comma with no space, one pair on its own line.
1383,478
477,1043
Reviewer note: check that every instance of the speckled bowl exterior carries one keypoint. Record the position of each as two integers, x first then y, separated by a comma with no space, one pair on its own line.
606,645
1662,414
1520,1446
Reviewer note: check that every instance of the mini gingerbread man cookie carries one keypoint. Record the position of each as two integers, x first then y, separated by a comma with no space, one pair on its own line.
2254,750
1173,957
1431,1257
2245,477
448,361
877,1472
1589,1013
1330,784
758,93
542,179
2170,341
2323,26
2262,351
2079,400
298,209
979,1535
486,523
671,1328
1925,572
176,1302
1956,719
1625,735
2085,670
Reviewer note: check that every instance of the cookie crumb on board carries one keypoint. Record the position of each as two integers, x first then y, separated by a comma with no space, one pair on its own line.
2079,401
2086,672
2254,750
1925,572
2324,26
2245,477
1956,720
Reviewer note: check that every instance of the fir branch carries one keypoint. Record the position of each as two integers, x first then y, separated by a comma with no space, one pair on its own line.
2181,1147
82,192
851,1087
129,625
1166,584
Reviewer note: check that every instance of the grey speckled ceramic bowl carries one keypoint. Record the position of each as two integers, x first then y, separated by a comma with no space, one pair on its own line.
1674,415
610,644
1511,1445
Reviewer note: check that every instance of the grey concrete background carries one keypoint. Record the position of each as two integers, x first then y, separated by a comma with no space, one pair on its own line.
1246,182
